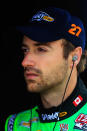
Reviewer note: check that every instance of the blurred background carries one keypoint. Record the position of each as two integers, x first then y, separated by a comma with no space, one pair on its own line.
14,97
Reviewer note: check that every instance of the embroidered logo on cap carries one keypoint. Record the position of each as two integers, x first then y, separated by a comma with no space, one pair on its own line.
42,16
77,101
75,30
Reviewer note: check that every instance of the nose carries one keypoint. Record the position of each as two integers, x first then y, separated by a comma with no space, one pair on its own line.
28,60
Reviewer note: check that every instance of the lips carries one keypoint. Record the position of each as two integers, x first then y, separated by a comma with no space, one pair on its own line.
30,75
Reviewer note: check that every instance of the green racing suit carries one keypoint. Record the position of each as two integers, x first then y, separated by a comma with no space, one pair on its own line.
71,117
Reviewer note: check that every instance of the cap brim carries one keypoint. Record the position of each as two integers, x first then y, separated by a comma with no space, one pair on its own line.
43,34
39,34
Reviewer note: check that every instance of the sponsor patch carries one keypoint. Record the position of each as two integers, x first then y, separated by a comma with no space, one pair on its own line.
11,122
42,16
27,124
77,101
61,114
64,127
50,116
81,122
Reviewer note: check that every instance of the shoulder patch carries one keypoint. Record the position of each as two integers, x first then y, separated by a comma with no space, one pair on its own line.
11,122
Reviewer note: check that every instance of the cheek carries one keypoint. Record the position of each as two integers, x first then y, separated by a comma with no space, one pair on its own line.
46,65
50,61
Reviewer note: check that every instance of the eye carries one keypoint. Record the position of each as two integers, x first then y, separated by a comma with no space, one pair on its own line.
24,50
41,49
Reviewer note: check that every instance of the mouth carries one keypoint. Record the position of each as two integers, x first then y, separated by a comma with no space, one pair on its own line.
30,75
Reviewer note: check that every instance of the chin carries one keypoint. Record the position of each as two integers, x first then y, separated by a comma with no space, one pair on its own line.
33,88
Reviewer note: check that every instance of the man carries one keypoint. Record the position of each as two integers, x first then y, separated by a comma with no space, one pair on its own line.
54,55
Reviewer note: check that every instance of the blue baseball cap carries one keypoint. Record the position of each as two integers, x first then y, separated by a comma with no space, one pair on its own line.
50,24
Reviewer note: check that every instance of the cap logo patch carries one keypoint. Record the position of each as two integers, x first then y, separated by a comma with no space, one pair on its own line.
75,30
42,16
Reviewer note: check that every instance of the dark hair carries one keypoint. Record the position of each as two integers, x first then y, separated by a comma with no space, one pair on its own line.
68,47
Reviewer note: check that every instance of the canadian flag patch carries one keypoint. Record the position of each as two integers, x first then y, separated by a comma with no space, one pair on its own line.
77,101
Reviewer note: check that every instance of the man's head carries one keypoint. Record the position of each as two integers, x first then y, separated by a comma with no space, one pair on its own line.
45,38
45,66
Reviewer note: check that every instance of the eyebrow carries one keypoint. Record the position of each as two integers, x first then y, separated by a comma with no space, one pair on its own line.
39,44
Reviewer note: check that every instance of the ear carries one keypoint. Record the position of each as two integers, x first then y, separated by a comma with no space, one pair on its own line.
78,53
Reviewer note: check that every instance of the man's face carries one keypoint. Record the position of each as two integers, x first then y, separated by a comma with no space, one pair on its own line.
44,66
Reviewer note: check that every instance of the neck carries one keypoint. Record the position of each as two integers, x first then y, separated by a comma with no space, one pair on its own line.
53,97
